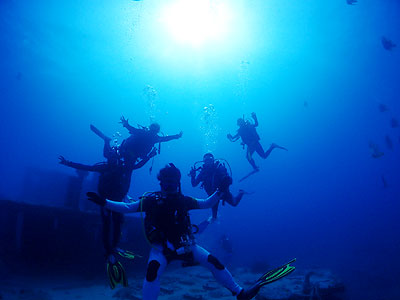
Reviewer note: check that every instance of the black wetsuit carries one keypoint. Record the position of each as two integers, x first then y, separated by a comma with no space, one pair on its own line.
248,133
211,178
167,218
114,183
141,142
169,230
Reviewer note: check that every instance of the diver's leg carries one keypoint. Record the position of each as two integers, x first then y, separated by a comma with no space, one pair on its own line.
227,197
234,201
155,267
106,219
221,274
260,151
272,147
107,150
117,219
215,211
249,156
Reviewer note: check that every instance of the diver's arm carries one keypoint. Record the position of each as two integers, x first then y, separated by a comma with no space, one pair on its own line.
168,138
208,202
125,123
93,168
195,180
122,207
254,116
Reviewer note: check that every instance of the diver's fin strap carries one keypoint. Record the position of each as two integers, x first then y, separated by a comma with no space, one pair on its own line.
276,273
116,274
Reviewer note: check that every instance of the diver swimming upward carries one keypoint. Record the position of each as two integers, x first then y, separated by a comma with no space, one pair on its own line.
250,138
169,231
114,182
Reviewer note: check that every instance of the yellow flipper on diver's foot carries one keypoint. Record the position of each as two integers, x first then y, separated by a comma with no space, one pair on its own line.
126,254
277,273
269,277
116,274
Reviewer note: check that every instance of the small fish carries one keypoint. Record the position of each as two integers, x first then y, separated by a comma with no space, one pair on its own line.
375,152
351,2
383,107
394,123
387,44
389,142
384,182
305,104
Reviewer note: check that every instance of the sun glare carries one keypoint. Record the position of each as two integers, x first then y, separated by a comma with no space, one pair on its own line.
196,22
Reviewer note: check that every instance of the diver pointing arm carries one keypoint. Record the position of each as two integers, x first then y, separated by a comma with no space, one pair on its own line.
168,138
208,202
95,168
121,207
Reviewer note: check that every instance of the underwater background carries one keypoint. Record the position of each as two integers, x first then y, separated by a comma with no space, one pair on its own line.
315,72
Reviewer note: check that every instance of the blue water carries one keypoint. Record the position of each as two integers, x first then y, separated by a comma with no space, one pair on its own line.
314,71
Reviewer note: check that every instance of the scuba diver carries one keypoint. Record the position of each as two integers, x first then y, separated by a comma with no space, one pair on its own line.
114,182
143,139
213,175
169,231
248,133
225,244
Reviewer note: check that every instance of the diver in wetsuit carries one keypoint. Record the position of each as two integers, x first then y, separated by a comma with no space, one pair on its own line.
248,133
213,175
169,230
142,140
114,182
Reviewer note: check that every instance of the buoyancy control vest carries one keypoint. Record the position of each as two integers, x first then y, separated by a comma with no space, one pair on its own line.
167,219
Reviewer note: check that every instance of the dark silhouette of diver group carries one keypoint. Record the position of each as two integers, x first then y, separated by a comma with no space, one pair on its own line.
168,227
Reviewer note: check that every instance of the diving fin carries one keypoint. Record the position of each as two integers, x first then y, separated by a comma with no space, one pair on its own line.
99,133
116,274
248,175
202,226
126,253
269,277
276,273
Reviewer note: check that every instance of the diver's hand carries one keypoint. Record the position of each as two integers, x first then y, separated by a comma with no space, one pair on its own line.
253,115
62,161
94,197
192,172
179,135
229,136
124,121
